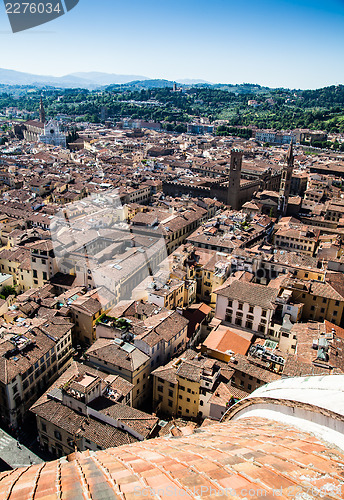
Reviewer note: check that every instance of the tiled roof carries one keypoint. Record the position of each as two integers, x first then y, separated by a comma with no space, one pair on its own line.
15,254
305,361
242,364
336,280
189,366
168,373
75,370
221,396
139,421
46,245
316,288
223,339
237,393
256,295
294,259
55,329
196,314
86,305
251,454
19,363
105,350
172,325
325,290
189,371
98,432
294,367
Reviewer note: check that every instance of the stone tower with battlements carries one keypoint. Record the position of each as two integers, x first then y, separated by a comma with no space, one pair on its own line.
285,184
234,179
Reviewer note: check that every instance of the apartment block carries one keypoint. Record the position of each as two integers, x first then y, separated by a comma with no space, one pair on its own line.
43,263
16,262
248,305
85,309
158,332
170,295
182,387
322,300
249,374
297,238
87,409
32,356
118,357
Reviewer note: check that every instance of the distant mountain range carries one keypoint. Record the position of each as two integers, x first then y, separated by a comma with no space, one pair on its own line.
89,80
76,80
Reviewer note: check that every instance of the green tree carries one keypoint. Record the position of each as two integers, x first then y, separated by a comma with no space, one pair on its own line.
7,291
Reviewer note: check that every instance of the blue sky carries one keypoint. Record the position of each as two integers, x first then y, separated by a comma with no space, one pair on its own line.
296,44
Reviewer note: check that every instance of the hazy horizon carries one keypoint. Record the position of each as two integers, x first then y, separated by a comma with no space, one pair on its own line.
172,79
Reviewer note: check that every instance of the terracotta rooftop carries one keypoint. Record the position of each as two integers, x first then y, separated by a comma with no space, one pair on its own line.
306,361
128,357
257,295
232,458
242,364
223,339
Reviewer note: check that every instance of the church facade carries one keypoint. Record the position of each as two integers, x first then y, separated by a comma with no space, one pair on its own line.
41,130
52,135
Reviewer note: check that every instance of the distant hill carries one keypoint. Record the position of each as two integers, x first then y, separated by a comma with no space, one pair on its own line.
10,77
93,80
97,78
188,81
242,88
89,80
144,84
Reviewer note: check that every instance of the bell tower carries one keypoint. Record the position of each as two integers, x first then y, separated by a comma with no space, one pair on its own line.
285,184
41,112
233,196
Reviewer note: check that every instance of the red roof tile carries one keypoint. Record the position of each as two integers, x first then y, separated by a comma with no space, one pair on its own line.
251,453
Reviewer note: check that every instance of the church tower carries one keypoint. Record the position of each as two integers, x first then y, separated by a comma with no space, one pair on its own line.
233,196
285,184
41,112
